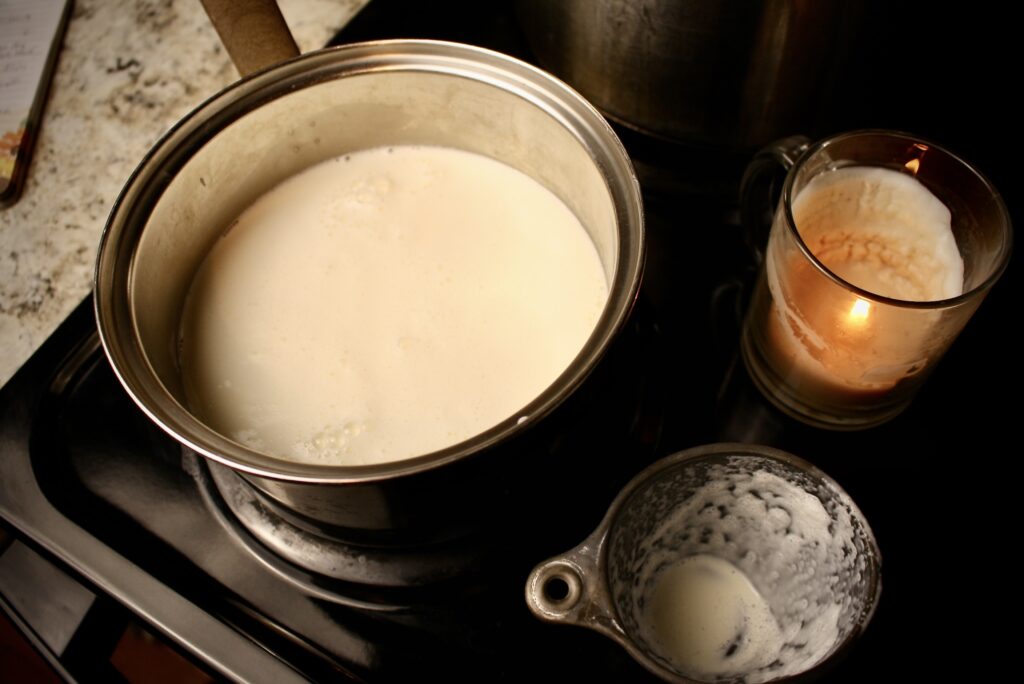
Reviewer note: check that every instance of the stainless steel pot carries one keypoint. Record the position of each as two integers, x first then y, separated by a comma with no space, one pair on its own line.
277,122
728,74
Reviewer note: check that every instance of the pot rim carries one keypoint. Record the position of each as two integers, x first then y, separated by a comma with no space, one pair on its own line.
126,223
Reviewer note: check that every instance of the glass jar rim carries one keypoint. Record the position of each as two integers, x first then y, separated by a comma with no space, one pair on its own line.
1003,258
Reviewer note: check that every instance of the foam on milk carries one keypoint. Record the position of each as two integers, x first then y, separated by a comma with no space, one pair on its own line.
386,304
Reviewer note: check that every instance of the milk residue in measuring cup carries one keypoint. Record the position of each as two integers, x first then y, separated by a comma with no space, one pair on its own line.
710,617
748,577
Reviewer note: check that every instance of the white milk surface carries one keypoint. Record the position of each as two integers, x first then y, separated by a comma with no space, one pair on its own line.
710,619
386,304
881,230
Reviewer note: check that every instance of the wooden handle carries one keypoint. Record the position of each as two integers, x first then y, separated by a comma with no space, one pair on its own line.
253,31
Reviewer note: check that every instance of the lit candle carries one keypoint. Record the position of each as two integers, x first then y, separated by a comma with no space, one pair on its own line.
882,247
880,231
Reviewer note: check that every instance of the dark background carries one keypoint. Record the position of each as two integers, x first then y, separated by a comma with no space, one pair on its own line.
939,483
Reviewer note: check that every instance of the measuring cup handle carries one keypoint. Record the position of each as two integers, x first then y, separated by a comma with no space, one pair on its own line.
760,189
570,589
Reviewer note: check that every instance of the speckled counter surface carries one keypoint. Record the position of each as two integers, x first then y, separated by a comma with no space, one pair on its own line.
127,71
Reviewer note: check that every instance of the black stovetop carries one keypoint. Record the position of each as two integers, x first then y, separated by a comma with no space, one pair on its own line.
86,478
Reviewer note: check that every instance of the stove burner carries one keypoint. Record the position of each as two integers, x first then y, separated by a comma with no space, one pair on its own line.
358,576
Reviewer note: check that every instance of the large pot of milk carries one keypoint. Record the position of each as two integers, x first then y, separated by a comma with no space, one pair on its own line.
278,350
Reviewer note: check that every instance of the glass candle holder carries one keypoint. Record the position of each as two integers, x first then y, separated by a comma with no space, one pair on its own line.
822,346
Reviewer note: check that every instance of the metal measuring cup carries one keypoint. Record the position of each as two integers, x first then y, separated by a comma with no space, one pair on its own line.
793,534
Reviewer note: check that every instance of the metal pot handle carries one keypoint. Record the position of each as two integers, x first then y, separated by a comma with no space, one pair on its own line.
760,189
570,589
254,32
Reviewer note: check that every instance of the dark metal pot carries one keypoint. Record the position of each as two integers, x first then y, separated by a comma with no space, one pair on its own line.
275,123
730,74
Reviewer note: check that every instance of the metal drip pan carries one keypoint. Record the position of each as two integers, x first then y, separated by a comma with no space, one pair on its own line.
359,576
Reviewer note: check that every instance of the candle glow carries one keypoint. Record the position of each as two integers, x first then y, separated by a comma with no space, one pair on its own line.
882,231
859,311
875,261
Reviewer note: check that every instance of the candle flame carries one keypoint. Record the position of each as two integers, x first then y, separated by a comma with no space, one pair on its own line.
860,310
914,165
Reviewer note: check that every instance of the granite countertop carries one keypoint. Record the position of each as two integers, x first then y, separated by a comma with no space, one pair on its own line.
127,71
